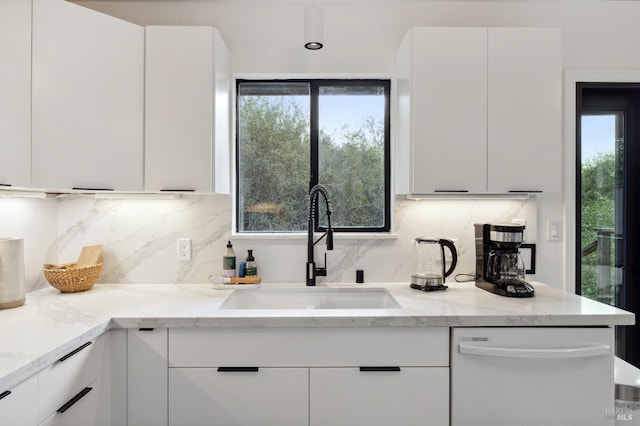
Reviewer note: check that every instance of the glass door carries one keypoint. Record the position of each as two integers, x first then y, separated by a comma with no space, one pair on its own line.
601,197
608,165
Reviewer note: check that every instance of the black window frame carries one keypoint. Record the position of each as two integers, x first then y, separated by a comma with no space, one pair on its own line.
314,85
618,98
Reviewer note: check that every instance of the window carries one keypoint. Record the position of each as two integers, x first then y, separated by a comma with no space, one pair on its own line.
293,134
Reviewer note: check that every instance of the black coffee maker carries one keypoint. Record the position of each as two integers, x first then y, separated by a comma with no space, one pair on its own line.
499,265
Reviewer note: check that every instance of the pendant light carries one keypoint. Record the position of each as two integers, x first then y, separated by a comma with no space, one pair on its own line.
313,27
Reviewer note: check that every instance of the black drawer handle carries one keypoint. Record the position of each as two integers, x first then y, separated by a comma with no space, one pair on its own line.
80,188
5,184
177,190
238,369
517,191
146,329
72,353
366,369
73,400
5,394
451,190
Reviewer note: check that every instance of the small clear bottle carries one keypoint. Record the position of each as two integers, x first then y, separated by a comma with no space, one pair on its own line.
229,262
251,269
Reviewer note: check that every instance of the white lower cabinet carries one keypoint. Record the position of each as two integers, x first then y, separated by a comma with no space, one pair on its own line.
379,396
63,380
17,403
238,396
83,409
84,387
78,388
147,377
309,376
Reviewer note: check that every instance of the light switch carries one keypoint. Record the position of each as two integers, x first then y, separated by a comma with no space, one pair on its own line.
554,230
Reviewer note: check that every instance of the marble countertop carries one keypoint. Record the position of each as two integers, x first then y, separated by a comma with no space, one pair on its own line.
50,323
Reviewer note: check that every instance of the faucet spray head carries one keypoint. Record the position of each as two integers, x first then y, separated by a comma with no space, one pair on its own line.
329,239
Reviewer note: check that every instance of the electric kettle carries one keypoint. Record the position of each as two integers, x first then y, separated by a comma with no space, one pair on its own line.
430,266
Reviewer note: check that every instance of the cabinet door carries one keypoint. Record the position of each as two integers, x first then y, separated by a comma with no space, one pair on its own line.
147,377
268,396
17,403
66,377
15,93
81,410
182,69
524,110
374,396
448,110
113,376
88,73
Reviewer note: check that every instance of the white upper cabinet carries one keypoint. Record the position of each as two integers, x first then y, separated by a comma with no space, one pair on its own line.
15,93
524,150
442,84
186,110
88,93
479,110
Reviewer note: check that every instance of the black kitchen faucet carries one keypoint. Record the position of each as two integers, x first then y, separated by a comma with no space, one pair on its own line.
312,270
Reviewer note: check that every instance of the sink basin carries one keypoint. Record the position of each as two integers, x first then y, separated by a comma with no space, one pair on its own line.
311,298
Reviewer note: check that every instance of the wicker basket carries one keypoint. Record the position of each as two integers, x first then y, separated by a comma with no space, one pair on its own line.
69,279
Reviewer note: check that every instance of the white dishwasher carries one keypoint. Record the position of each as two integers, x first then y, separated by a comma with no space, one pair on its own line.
532,376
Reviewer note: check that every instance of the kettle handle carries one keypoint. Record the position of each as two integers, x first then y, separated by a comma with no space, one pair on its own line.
454,256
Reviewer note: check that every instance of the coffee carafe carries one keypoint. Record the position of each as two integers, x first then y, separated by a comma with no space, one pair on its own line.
505,267
499,265
430,263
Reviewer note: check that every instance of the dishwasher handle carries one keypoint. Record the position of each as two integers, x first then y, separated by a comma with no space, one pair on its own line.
557,353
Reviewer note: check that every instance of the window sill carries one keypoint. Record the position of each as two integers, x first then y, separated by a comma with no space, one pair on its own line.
337,236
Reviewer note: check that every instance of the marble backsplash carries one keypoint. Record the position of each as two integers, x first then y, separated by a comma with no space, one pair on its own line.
139,237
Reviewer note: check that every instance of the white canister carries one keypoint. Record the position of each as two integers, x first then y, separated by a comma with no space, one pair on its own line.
12,285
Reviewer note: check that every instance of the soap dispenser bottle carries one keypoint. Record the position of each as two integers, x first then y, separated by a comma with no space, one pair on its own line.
251,269
229,261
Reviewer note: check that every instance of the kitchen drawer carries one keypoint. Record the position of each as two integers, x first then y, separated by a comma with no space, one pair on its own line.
63,379
378,396
82,409
264,396
17,403
309,347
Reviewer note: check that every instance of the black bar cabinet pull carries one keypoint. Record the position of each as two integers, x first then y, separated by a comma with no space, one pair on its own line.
238,369
146,329
366,369
73,400
517,191
80,188
451,190
177,190
75,351
5,184
5,394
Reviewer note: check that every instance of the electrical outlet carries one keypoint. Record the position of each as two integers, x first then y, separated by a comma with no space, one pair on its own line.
184,249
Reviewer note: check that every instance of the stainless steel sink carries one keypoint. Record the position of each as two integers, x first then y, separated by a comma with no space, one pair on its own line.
311,298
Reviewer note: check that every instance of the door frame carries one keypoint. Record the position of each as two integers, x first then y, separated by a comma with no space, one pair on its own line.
571,78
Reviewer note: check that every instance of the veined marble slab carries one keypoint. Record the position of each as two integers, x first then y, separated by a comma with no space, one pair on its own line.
51,324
